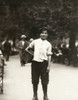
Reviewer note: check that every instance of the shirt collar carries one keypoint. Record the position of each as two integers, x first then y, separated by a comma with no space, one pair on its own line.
42,40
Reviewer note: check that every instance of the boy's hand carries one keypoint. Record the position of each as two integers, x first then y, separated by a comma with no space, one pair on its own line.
48,69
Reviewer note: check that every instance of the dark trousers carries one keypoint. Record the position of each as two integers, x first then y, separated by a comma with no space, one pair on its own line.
6,55
39,70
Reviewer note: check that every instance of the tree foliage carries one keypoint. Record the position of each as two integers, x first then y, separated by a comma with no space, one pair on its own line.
29,16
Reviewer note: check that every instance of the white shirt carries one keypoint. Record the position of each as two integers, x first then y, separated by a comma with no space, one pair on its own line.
23,42
42,48
0,52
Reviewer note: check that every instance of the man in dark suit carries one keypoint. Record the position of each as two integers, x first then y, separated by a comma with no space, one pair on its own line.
7,49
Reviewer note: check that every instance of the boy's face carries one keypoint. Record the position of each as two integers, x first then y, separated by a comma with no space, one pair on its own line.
44,35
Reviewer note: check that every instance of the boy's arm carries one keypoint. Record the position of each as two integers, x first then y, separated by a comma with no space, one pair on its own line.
49,57
49,63
31,45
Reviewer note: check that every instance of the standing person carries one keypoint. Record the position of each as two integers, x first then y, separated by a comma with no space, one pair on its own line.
22,46
6,49
41,63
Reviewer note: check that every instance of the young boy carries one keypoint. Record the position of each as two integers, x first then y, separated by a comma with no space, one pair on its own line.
41,63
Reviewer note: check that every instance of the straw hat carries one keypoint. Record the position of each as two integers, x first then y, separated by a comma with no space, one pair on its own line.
23,36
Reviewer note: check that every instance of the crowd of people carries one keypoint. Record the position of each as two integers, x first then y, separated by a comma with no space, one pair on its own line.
62,54
6,48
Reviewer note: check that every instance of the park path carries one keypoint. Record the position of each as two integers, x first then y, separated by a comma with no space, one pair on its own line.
63,83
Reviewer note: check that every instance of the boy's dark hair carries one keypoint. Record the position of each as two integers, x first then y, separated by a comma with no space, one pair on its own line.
43,29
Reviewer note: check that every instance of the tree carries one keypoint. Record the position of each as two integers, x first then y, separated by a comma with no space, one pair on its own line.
29,16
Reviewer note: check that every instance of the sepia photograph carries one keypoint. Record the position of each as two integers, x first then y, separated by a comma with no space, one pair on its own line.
38,49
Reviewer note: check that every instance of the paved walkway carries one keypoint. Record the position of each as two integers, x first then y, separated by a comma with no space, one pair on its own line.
63,83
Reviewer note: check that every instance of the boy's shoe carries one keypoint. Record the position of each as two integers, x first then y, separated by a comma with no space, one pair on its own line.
22,64
45,98
34,98
5,64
